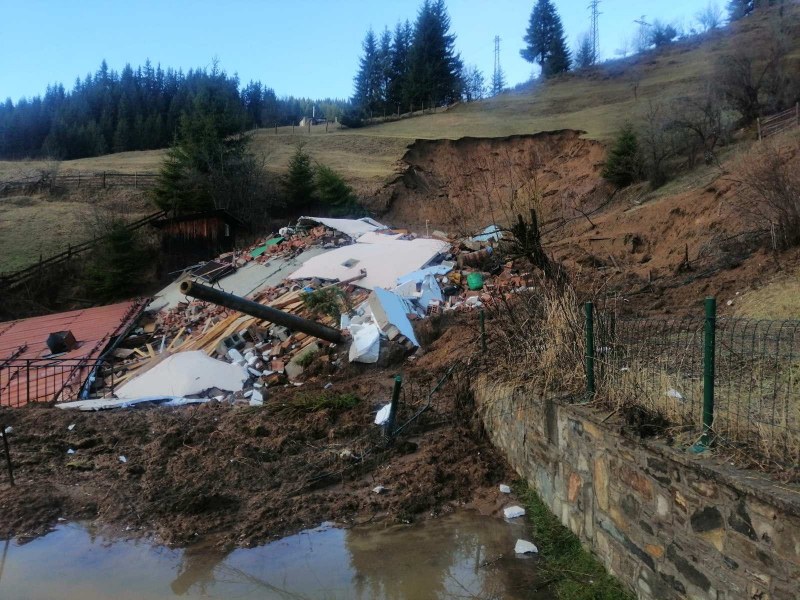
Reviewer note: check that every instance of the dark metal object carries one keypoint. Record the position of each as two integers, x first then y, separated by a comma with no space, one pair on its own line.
267,313
8,455
390,422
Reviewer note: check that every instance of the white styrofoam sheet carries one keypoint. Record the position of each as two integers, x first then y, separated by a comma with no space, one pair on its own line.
185,374
384,261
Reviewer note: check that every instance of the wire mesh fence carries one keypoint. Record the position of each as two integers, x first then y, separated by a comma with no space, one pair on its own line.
653,363
659,364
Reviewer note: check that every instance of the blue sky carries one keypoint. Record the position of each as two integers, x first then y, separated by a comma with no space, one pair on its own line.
298,47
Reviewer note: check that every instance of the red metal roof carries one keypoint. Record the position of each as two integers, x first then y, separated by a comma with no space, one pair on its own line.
93,328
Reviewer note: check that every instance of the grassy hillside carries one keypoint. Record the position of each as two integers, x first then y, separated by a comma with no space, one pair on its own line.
597,102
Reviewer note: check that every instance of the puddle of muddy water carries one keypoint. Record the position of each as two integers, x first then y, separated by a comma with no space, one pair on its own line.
464,555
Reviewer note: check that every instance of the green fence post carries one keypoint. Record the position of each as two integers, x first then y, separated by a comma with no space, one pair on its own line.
709,346
590,389
483,332
390,422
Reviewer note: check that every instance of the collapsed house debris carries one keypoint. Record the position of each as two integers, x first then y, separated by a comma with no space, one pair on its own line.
298,304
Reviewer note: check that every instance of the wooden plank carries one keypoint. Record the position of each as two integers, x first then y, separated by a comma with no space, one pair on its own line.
150,350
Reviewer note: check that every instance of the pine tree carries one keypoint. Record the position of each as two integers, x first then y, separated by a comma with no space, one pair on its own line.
545,40
299,181
624,164
584,56
434,66
367,94
396,95
334,193
384,64
498,81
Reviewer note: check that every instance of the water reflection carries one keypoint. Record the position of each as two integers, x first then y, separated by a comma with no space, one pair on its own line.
462,555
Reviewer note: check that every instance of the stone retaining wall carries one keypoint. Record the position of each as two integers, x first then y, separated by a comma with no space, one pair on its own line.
668,524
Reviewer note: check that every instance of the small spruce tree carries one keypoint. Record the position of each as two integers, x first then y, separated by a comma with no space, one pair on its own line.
299,180
624,164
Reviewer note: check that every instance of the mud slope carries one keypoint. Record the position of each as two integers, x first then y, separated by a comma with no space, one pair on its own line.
466,183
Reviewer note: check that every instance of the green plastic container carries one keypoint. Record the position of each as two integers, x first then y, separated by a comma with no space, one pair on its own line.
475,281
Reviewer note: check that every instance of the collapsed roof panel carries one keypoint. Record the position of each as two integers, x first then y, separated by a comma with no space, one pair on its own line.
384,261
351,227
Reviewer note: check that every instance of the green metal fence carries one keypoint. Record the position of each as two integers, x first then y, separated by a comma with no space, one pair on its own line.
718,381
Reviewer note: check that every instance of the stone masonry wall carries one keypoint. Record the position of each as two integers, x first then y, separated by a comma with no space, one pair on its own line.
668,524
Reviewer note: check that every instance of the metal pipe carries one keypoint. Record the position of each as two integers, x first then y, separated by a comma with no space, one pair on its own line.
267,313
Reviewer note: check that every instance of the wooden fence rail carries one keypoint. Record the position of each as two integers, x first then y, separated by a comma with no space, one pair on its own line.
9,280
100,180
779,122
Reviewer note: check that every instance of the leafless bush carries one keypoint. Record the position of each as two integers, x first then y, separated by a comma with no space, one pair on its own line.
710,17
537,337
754,78
771,193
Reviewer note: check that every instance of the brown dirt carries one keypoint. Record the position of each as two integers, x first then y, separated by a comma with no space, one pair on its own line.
628,246
240,475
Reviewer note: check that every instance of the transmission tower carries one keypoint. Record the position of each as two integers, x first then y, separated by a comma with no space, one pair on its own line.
595,30
498,82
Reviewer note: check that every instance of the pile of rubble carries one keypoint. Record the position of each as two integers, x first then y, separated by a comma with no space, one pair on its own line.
368,280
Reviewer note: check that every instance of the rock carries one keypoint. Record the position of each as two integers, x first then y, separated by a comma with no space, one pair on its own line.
256,398
504,489
512,512
525,547
293,370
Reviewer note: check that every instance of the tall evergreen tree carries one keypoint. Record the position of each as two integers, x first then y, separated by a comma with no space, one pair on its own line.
498,81
434,66
396,95
368,80
544,39
384,60
584,56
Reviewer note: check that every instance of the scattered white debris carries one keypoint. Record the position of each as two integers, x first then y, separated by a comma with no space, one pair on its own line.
185,374
729,303
9,430
366,346
673,393
346,454
512,512
71,427
123,459
625,369
70,451
383,415
504,489
525,547
328,385
379,489
256,398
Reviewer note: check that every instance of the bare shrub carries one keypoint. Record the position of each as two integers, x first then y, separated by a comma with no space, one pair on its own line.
537,337
771,193
754,78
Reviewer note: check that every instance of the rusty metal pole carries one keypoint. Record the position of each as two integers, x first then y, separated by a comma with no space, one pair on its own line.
267,313
8,456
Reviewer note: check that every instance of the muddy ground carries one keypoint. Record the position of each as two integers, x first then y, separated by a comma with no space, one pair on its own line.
242,475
